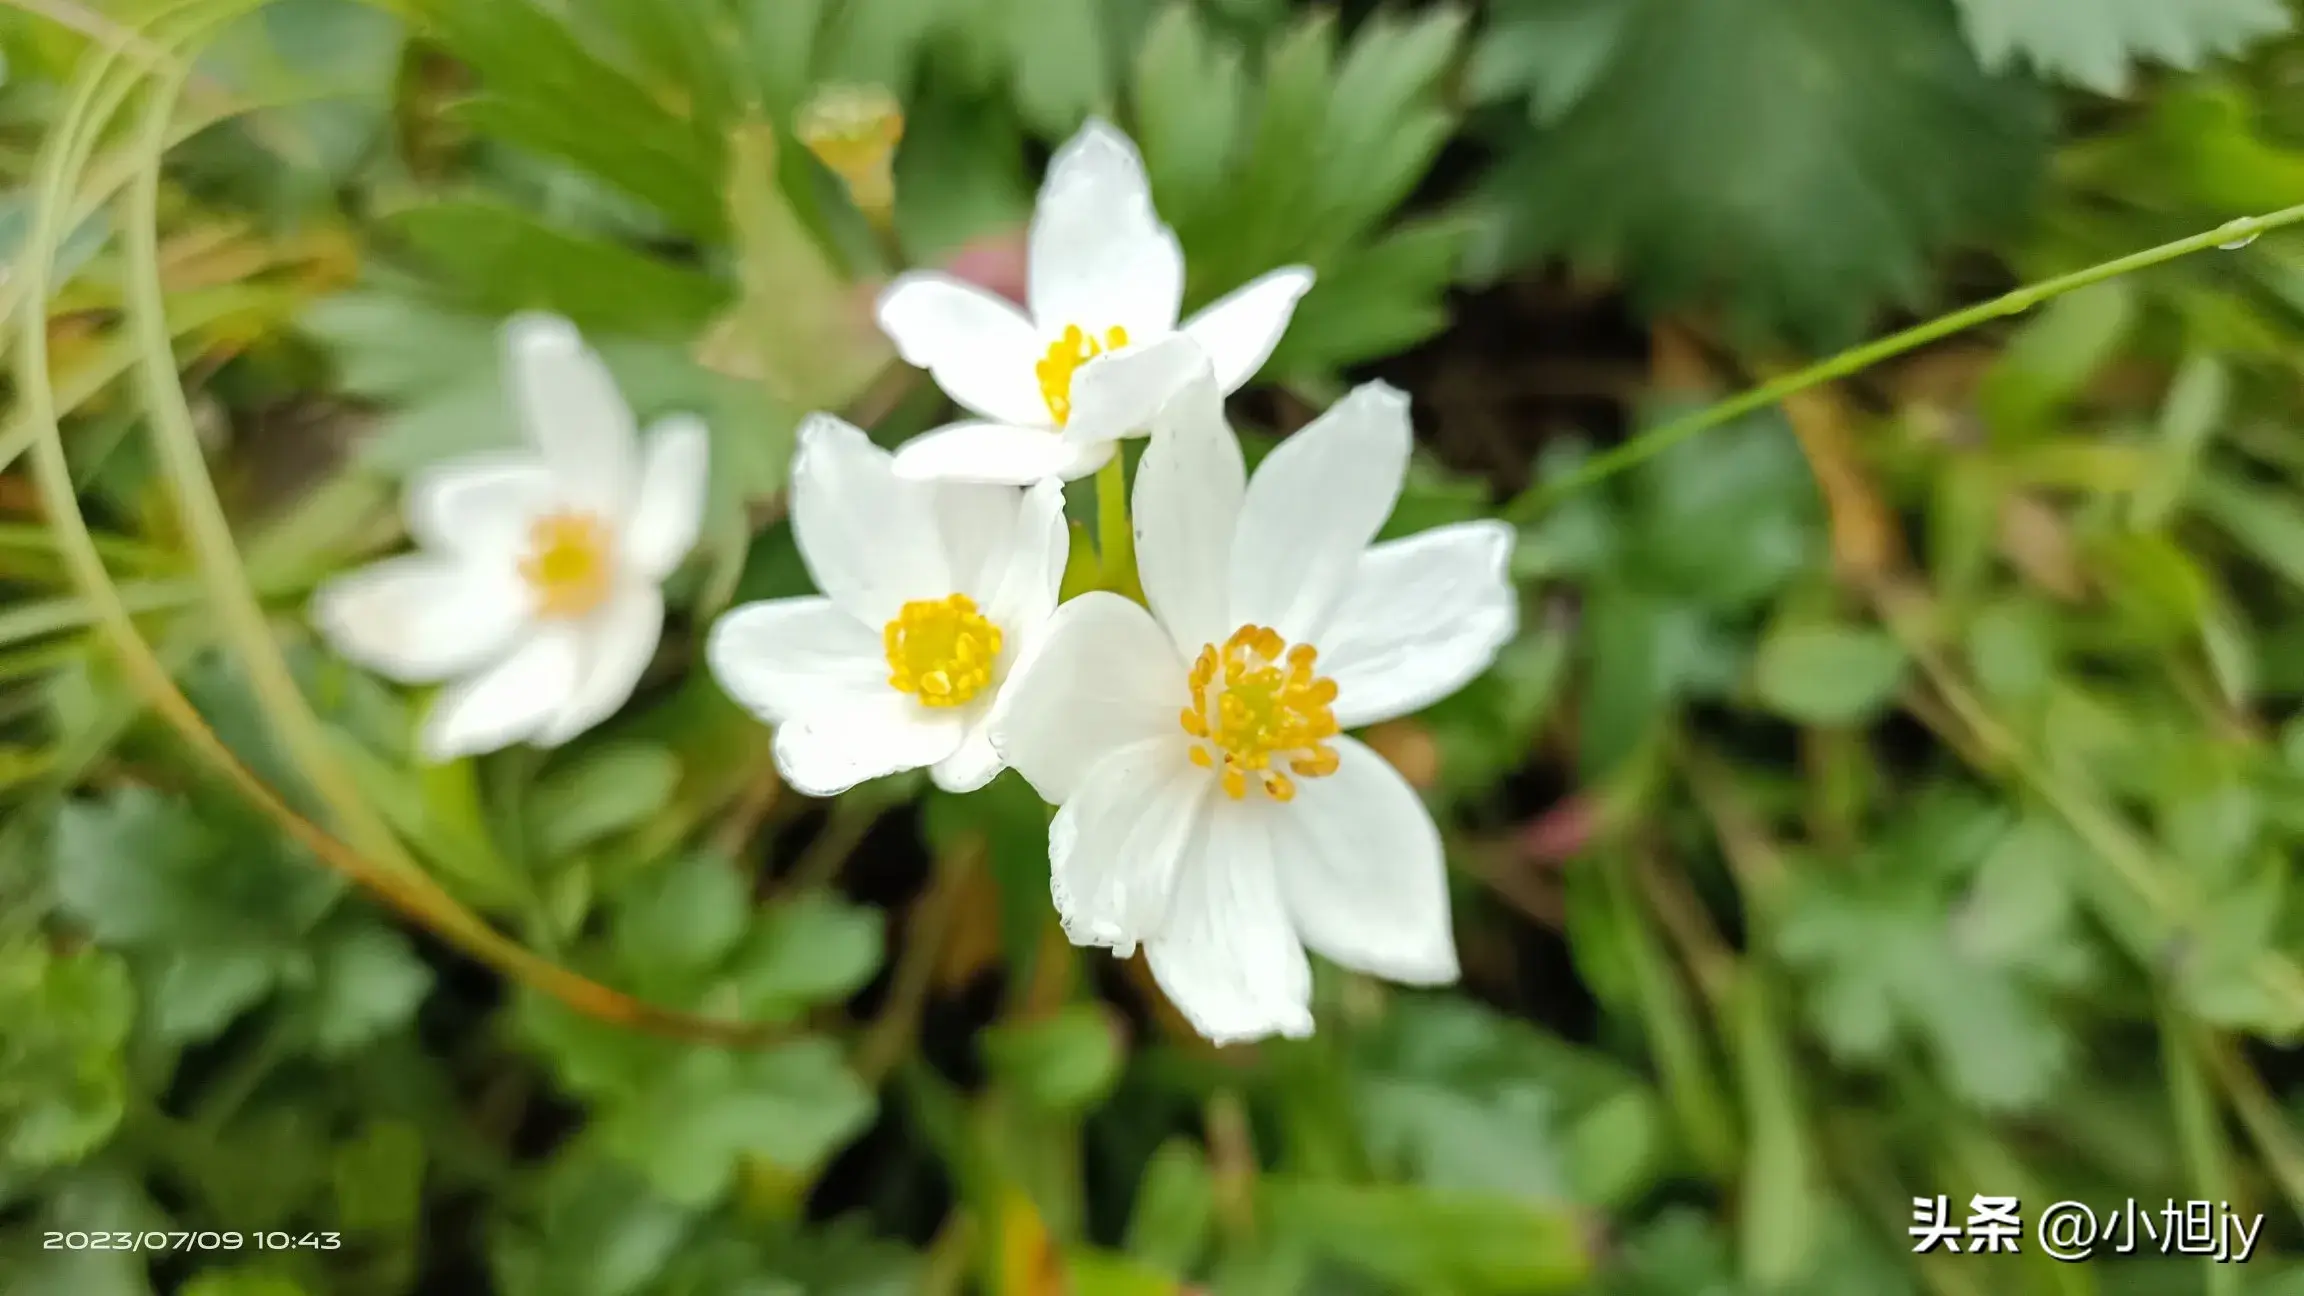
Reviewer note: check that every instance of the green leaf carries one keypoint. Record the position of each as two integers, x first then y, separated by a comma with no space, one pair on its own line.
809,950
597,1231
2265,522
1066,1063
62,1088
1187,95
369,983
1725,519
1829,675
1884,963
545,91
1175,1208
1426,1238
1798,200
243,1282
2094,45
138,869
794,1104
501,260
380,1178
1059,63
604,791
683,918
1452,1095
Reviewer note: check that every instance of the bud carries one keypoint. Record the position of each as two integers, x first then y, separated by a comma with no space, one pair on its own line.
854,130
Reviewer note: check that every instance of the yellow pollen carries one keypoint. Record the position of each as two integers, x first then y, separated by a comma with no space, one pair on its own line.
1259,705
568,564
941,650
1065,356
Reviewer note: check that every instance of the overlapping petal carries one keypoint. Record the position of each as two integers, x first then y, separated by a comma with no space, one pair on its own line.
1103,676
569,406
1115,848
1315,503
1361,869
868,536
1422,618
668,506
1227,955
1240,329
420,617
978,347
1100,255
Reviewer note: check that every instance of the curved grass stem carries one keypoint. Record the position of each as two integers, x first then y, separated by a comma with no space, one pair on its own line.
94,96
1531,503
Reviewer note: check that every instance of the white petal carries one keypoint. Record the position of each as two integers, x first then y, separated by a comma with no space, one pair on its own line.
980,349
778,657
481,506
998,454
868,536
1115,847
973,765
571,410
1228,957
507,702
976,524
1099,254
668,508
1126,392
421,617
1316,502
1021,585
1421,619
1102,676
862,737
1362,871
616,645
1240,329
1189,488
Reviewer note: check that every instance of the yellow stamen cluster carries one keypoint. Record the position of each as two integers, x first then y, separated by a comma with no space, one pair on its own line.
941,650
1258,703
854,131
1065,356
568,564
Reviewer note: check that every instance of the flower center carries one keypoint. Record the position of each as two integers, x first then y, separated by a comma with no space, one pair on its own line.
568,564
1257,704
941,650
1065,356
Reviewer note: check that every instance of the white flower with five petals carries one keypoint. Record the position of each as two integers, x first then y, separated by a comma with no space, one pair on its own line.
931,592
1100,351
535,583
1211,809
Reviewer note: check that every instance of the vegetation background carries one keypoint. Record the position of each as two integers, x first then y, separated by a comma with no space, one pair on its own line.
1893,793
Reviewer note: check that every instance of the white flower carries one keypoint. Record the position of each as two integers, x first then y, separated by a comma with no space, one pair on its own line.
534,585
932,590
1054,392
1211,809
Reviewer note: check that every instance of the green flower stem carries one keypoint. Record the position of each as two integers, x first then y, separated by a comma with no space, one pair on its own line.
1531,503
1115,538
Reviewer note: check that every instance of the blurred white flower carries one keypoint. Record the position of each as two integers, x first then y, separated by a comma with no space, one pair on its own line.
931,592
1211,809
534,585
1100,351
